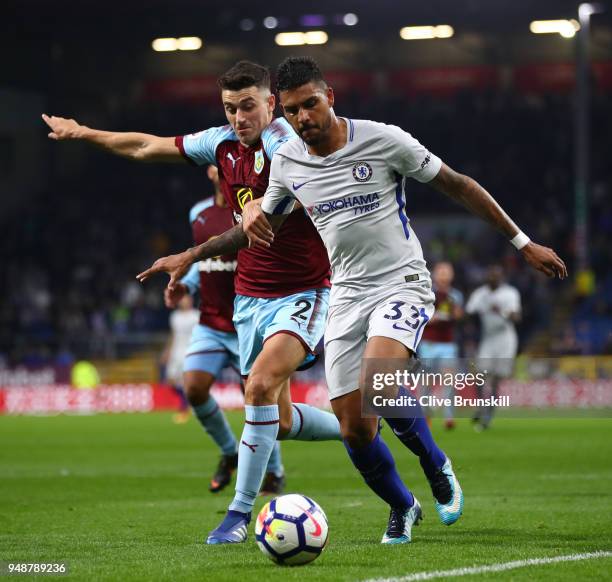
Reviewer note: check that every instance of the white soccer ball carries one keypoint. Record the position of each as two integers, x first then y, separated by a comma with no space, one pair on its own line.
291,530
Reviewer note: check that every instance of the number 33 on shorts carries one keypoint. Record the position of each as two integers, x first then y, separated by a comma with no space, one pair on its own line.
401,320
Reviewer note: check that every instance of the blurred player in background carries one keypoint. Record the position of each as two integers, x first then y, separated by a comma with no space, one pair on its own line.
182,321
498,306
214,343
281,293
439,346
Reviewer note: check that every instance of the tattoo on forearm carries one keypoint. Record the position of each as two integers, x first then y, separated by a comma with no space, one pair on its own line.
475,198
231,241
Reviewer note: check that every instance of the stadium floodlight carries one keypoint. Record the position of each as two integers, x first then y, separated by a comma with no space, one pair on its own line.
301,38
350,19
289,39
165,45
270,22
316,37
426,32
184,43
189,43
566,28
444,31
586,9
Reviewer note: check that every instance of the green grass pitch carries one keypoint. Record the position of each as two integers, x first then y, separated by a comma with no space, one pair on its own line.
124,497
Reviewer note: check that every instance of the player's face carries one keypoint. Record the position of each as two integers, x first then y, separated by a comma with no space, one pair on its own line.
308,110
443,274
249,112
494,276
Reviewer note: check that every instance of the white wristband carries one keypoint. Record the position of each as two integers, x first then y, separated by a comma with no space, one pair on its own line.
520,240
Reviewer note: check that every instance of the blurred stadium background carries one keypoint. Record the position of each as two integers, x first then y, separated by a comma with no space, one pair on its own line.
494,99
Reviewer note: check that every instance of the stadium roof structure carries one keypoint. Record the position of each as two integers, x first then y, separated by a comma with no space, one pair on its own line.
47,45
220,20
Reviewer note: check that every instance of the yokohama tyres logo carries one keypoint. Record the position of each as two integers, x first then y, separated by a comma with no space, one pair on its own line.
360,204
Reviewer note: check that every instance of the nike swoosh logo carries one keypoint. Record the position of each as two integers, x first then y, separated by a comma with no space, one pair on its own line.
296,187
400,433
318,529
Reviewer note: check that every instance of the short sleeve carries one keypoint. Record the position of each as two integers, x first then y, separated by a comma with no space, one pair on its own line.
408,157
199,207
200,148
456,297
275,135
278,199
192,279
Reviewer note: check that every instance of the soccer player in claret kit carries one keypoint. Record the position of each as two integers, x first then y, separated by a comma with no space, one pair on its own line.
281,294
439,347
350,176
214,343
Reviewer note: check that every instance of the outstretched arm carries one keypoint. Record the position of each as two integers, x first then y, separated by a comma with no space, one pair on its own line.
135,146
478,201
230,242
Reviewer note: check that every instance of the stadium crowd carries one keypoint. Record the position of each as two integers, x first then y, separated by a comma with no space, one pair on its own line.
71,256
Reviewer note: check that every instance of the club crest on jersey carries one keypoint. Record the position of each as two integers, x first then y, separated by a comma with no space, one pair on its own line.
362,171
259,161
244,195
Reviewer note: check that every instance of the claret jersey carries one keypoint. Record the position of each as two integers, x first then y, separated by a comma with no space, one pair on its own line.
441,329
214,277
356,199
297,260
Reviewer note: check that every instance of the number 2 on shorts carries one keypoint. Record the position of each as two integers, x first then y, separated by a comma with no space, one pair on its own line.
305,306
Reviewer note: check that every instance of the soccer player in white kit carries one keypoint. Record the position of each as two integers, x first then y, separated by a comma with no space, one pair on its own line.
349,176
498,305
182,321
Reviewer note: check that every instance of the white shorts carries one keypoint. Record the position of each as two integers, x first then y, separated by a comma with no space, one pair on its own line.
496,355
174,371
399,313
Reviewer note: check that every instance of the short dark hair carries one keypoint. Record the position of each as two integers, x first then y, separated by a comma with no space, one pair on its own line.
297,71
245,74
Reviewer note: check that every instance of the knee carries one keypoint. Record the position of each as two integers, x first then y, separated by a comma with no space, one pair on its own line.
261,389
358,435
196,392
284,427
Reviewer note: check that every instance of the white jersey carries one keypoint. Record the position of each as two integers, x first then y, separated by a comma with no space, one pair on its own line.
356,199
182,323
493,306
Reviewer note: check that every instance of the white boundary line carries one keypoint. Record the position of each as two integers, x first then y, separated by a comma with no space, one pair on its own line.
501,567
